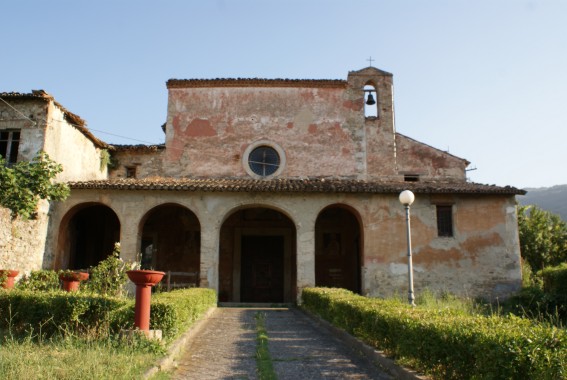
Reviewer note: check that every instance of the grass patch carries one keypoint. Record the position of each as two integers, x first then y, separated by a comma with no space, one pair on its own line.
74,359
264,363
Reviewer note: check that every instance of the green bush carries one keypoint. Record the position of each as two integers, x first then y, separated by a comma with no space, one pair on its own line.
39,280
447,343
109,276
555,280
44,314
47,313
174,312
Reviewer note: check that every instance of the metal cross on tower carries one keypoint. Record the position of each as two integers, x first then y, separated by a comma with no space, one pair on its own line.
370,60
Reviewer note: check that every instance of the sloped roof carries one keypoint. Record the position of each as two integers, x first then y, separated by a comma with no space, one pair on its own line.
295,185
73,119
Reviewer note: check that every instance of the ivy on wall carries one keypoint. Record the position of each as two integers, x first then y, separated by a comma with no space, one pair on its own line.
23,184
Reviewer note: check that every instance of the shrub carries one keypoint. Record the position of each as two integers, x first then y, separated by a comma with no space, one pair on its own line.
109,276
47,313
174,312
39,280
447,343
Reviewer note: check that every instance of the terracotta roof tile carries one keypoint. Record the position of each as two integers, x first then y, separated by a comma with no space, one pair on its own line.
70,117
296,185
139,147
255,82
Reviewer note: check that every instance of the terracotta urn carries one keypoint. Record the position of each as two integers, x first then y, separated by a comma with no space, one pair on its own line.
11,275
71,280
144,280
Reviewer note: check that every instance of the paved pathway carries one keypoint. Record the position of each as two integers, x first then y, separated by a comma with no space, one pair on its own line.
225,348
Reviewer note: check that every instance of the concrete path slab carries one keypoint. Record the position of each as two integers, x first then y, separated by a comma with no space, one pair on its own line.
225,348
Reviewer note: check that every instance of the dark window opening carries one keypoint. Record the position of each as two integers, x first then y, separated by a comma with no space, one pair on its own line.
9,144
130,172
444,221
411,177
264,161
370,102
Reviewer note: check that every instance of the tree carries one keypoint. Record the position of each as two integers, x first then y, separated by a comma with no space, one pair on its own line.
23,184
543,237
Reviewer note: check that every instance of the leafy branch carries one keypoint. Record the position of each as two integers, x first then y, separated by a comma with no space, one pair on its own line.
23,184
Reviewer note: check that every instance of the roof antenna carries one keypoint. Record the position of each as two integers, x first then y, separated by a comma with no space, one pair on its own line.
370,60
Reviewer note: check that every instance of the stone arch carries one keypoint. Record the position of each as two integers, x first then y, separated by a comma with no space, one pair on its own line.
171,241
87,235
338,248
257,256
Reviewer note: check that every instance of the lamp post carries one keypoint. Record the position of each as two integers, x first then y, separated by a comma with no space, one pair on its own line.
407,198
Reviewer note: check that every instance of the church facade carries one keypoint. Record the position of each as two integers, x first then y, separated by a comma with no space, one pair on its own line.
264,187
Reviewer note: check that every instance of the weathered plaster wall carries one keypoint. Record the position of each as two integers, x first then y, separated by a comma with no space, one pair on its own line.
66,145
210,128
32,135
322,129
481,260
414,157
148,162
22,242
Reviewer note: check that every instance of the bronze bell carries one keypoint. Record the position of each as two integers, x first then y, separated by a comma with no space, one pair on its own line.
370,100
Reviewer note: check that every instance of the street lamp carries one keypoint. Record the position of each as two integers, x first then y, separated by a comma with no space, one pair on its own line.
407,198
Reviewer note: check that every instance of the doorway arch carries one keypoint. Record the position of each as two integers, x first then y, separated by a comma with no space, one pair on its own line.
171,241
257,257
87,236
337,248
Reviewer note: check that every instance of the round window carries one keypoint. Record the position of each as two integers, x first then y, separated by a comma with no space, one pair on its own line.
264,161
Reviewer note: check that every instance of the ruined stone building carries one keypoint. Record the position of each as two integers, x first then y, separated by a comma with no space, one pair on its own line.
264,187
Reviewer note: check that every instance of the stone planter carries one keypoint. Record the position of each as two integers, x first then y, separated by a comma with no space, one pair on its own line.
8,283
71,280
144,280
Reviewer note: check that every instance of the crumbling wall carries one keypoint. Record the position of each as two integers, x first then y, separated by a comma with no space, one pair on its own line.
22,242
414,157
68,146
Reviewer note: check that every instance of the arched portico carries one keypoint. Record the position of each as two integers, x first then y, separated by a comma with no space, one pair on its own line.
87,235
338,248
257,257
171,241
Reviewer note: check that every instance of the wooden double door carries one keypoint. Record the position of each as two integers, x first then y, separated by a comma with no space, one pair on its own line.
262,268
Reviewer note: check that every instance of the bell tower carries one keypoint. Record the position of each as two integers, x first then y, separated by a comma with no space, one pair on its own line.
374,88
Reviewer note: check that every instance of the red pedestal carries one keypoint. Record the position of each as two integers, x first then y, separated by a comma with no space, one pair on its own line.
71,281
9,283
144,280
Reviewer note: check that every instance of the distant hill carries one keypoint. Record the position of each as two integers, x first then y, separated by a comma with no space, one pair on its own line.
553,199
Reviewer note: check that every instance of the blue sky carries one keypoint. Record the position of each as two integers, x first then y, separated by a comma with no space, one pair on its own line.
484,79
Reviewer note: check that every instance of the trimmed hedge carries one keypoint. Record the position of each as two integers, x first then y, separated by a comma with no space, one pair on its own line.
47,313
555,282
446,343
174,312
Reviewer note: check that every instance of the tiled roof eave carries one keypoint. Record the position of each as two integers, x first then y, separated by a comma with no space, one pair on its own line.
295,186
255,82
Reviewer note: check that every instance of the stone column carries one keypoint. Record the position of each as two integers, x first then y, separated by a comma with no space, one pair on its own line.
305,254
209,268
129,239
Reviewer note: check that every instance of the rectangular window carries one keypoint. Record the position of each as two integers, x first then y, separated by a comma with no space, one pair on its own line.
411,177
9,143
444,221
130,172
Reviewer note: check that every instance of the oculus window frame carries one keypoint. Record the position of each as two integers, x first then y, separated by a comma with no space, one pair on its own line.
263,160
